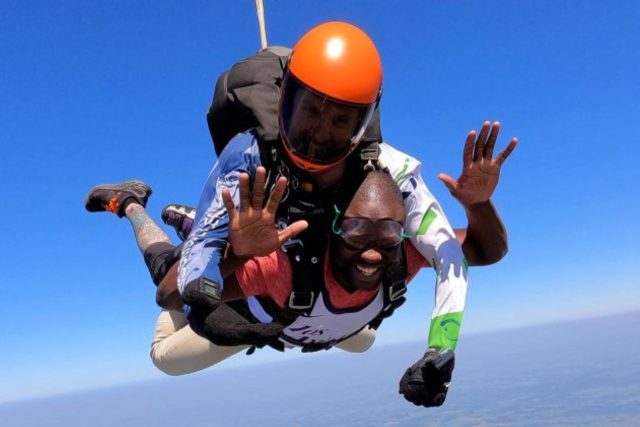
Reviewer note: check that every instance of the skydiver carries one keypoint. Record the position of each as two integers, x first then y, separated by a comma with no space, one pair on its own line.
177,350
324,110
330,89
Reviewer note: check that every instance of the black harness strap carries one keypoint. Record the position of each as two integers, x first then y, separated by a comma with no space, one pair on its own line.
307,278
394,288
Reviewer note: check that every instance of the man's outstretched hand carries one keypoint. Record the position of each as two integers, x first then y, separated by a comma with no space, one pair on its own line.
480,171
426,382
252,228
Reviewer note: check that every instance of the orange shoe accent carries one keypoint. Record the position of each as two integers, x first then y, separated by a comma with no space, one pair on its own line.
112,206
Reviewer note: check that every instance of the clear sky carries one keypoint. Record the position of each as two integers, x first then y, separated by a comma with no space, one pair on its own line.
95,92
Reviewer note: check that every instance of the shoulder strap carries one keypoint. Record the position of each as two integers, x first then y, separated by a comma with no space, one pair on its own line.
394,287
307,277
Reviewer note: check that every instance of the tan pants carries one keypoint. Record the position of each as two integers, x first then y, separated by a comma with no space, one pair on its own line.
177,350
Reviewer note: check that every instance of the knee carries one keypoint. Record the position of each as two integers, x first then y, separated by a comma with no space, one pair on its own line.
158,257
165,364
360,342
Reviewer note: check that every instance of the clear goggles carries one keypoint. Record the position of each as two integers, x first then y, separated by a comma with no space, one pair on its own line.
363,233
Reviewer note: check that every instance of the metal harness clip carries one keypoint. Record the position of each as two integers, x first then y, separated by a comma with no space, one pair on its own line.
301,300
396,291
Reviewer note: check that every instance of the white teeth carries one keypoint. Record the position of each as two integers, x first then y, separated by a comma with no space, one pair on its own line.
366,269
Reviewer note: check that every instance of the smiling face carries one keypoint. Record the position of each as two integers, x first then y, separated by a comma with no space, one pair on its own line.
363,264
320,128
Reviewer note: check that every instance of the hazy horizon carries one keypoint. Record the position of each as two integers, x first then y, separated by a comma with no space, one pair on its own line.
582,372
278,358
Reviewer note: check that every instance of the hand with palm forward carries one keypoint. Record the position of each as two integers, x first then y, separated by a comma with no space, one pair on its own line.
480,171
252,228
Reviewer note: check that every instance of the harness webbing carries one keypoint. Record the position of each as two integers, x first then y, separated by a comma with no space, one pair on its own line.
306,252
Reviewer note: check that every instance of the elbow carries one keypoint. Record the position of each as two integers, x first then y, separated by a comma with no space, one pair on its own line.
499,251
169,300
478,257
492,258
161,300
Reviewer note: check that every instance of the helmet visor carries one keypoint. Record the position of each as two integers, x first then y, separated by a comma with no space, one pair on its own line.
318,129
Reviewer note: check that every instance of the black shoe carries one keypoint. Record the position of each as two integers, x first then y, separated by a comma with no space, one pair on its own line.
115,197
180,217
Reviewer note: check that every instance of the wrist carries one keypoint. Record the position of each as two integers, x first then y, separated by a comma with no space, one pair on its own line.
231,254
475,207
234,258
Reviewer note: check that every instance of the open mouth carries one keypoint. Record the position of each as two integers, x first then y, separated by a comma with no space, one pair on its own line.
367,270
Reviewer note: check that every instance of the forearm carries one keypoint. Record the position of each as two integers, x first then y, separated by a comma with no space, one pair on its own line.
231,263
204,249
485,241
228,267
168,297
450,298
436,242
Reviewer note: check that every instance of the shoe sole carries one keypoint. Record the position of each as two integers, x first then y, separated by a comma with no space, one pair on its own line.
138,188
185,211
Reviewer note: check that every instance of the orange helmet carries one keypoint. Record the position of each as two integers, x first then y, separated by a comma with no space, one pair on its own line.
329,92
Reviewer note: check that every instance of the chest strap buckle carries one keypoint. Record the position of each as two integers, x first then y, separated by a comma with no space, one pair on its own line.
301,300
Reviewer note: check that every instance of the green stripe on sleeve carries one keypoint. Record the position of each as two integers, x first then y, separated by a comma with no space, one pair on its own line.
403,172
426,222
444,330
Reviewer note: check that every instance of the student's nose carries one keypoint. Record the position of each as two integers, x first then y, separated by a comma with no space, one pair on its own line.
371,256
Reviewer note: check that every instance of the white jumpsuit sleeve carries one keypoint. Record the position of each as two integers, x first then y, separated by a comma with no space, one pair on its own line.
434,238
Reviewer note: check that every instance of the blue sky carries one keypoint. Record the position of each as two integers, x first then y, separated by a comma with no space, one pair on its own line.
95,92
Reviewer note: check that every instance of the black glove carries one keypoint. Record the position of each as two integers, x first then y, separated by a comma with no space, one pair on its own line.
222,325
426,382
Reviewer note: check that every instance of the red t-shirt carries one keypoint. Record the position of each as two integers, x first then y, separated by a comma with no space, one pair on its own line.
271,276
